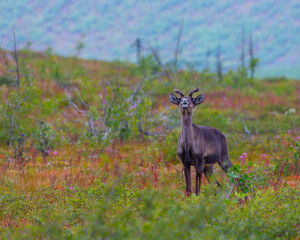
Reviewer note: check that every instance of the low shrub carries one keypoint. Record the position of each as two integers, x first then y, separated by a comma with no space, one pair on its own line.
152,215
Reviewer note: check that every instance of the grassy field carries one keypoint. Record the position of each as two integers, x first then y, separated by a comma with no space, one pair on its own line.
91,153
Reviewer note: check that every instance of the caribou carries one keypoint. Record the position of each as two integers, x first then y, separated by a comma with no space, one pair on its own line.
199,146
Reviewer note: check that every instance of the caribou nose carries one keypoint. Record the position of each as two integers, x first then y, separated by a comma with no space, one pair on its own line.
185,103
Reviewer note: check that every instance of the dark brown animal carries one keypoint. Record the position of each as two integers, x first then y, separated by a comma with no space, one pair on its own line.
199,146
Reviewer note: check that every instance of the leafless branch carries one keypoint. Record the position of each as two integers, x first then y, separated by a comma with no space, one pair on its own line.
83,112
171,70
137,89
251,53
86,112
14,108
219,64
16,59
83,102
140,100
177,48
139,86
243,47
107,107
167,71
231,189
138,44
245,128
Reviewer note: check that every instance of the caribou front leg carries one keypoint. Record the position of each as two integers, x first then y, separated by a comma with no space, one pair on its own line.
187,173
199,171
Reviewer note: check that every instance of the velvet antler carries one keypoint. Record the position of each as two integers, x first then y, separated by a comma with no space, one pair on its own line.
179,92
192,92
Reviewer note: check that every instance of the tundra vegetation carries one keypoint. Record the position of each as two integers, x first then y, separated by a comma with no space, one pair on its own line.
89,151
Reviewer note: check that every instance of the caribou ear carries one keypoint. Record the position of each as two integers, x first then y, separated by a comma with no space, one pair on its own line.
199,99
173,99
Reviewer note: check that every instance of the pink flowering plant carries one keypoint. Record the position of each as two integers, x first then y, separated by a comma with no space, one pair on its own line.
247,178
293,161
287,147
241,176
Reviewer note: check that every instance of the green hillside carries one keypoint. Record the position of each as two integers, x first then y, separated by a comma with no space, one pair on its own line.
108,30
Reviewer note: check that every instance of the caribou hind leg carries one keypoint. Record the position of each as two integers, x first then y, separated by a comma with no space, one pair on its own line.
209,174
199,171
198,181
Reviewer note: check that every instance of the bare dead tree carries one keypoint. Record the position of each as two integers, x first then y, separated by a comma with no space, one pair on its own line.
251,47
136,101
253,60
251,54
12,111
245,128
219,64
85,112
138,44
16,59
14,107
207,56
230,191
243,47
139,86
167,71
170,70
177,51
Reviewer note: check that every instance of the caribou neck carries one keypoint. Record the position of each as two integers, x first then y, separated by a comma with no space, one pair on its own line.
186,128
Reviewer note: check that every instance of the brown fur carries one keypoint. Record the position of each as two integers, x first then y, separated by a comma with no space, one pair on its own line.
199,146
